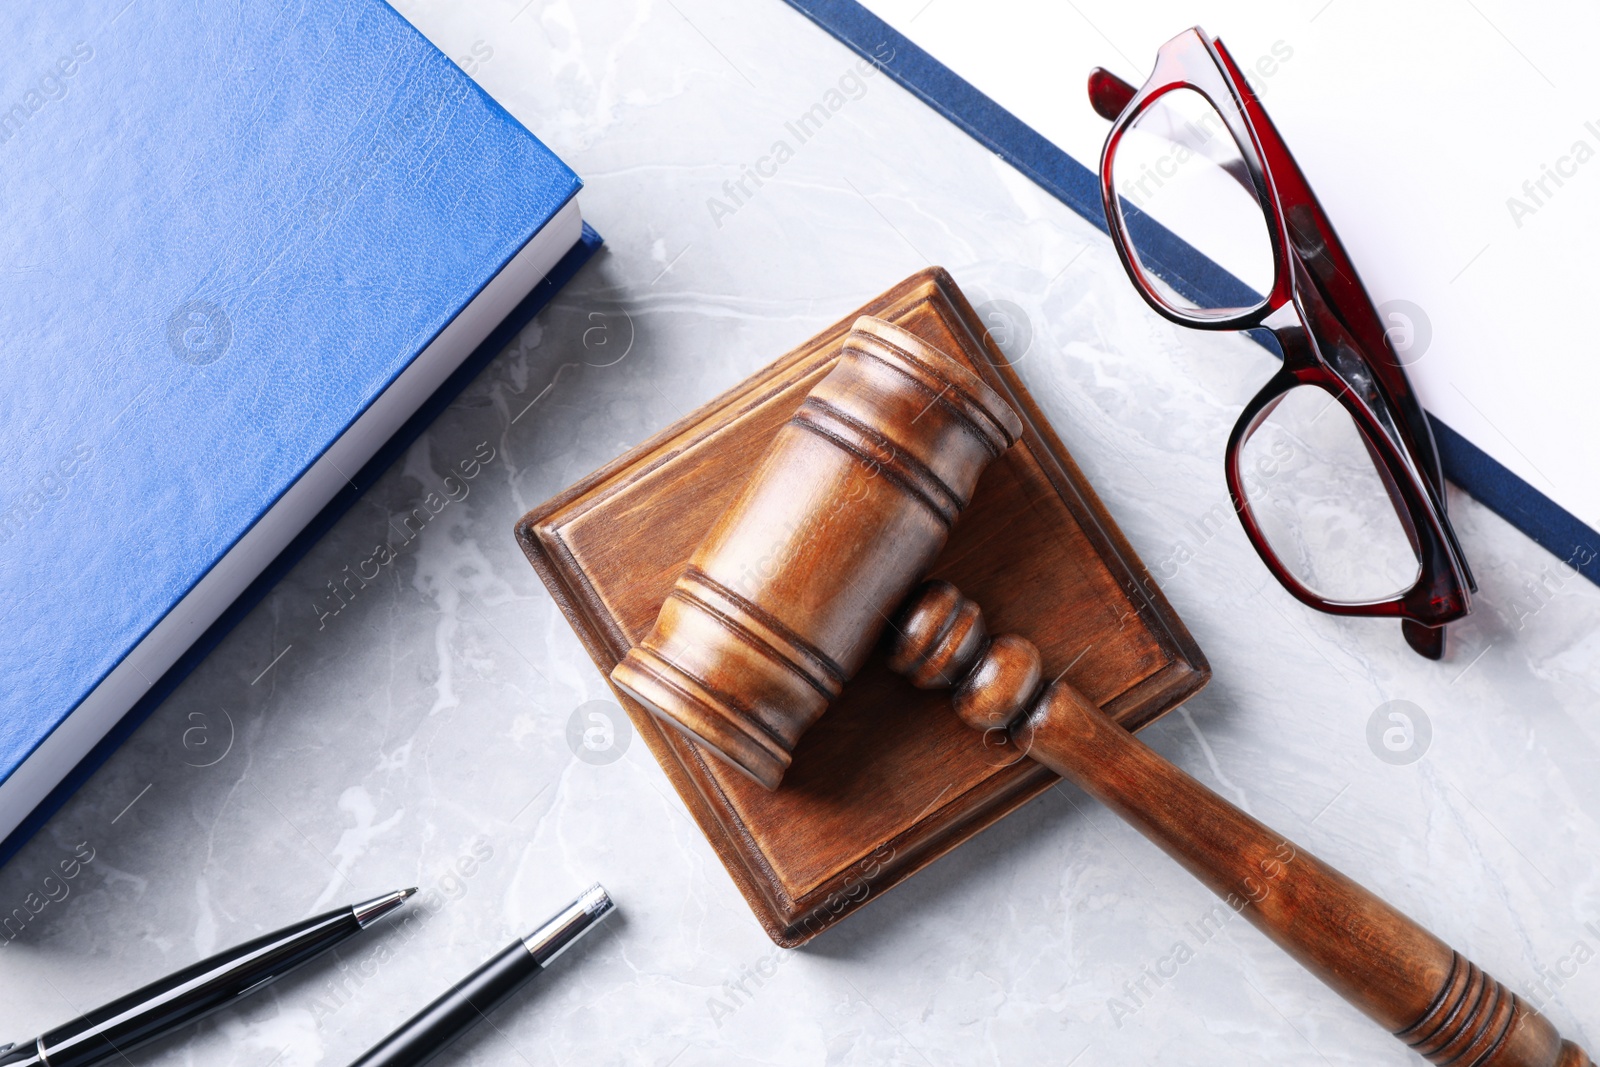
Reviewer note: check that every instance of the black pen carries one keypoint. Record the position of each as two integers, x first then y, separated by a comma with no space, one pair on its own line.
179,999
427,1033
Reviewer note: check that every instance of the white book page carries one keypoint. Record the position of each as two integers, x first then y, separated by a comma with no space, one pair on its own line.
1417,124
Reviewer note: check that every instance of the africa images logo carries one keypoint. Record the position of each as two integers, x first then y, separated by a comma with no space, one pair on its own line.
199,332
598,732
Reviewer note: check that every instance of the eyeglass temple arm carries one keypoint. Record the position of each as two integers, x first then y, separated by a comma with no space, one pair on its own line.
1108,94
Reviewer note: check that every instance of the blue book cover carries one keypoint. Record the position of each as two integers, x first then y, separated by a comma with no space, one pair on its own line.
248,249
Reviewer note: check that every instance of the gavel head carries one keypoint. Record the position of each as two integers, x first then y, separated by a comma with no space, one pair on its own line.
787,595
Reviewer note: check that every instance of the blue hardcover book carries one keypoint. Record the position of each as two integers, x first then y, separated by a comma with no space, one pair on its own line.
249,250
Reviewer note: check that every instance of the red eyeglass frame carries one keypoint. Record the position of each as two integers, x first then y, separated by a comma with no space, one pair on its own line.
1329,332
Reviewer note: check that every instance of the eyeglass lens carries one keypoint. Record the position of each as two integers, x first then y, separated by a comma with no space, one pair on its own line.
1178,165
1320,503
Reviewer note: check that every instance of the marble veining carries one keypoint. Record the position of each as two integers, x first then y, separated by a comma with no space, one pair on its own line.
444,728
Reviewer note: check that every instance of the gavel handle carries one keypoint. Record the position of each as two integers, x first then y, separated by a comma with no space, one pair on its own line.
1414,985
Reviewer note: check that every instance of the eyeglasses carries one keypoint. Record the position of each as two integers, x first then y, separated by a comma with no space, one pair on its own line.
1332,466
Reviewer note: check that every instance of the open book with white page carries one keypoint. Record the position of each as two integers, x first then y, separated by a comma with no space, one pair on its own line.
1451,146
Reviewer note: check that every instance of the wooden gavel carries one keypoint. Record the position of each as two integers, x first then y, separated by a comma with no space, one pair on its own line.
1386,964
785,598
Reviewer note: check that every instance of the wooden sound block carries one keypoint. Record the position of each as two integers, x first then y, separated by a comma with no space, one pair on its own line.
889,779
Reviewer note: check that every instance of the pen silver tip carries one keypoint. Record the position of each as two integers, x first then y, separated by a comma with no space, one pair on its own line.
596,902
575,920
370,911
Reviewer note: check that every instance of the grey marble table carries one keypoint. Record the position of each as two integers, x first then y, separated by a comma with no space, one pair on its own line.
430,732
